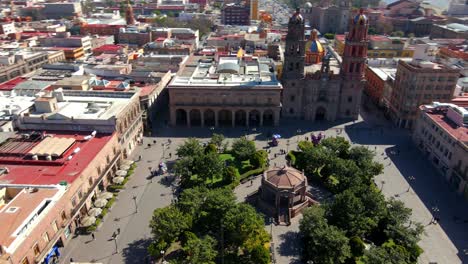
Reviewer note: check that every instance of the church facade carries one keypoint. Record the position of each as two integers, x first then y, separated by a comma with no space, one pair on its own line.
329,90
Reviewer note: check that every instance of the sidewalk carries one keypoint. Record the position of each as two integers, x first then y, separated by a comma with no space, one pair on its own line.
134,226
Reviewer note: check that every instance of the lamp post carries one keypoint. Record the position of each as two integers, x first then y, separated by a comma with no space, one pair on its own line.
435,210
381,187
410,179
162,256
136,205
298,131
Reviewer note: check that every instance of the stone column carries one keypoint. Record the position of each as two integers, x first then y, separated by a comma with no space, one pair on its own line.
188,117
261,118
247,118
202,121
233,115
216,118
276,115
173,117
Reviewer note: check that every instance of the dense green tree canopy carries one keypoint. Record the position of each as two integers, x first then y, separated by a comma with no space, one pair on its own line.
200,250
243,148
191,148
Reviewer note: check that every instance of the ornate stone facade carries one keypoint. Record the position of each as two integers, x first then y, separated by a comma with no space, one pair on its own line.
332,89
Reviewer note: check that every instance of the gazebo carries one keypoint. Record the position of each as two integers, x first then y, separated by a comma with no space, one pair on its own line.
283,193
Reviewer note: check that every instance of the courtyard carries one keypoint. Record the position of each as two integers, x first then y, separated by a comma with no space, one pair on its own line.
407,176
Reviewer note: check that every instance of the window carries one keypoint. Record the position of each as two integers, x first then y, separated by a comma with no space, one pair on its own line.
73,202
292,98
348,112
36,249
291,111
25,261
54,226
90,180
63,215
45,236
80,194
350,99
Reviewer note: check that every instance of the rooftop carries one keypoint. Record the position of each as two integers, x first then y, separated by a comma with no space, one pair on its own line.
22,211
439,117
227,71
24,168
285,177
10,84
12,105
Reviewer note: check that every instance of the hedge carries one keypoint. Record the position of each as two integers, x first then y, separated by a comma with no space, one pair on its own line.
251,173
110,202
114,188
291,157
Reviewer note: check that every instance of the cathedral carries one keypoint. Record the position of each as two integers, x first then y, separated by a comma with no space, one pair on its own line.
329,88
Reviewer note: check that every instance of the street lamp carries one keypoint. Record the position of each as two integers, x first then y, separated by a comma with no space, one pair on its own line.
298,131
136,205
410,179
383,183
162,255
435,210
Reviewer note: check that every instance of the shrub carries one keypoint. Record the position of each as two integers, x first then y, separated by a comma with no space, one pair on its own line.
211,148
114,188
291,157
259,159
251,173
104,212
110,203
357,246
230,174
329,36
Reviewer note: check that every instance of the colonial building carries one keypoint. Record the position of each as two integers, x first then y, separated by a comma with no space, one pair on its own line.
330,90
333,18
229,91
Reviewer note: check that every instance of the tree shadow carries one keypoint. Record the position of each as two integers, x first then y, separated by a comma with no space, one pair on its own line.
136,252
290,244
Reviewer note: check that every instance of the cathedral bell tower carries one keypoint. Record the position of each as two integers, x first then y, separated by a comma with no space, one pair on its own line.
353,66
294,54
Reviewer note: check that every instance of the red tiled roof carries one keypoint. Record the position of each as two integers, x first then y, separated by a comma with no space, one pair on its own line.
379,38
147,90
108,47
458,132
26,171
9,85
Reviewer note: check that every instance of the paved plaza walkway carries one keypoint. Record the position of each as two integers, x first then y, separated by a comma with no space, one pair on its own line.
444,243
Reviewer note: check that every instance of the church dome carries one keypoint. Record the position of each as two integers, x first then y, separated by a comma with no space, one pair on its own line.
316,47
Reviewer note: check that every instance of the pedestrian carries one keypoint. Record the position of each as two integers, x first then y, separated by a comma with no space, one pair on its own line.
251,182
71,260
154,141
170,155
92,235
118,231
139,157
149,145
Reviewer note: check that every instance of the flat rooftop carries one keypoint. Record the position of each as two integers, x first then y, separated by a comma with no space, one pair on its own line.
10,105
226,72
19,215
23,168
384,72
88,105
458,132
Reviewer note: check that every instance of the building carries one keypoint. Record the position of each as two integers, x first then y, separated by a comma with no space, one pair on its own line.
441,134
332,89
253,9
7,28
64,39
283,194
328,18
77,111
416,83
14,64
453,31
458,8
380,47
48,183
235,14
61,10
229,91
10,106
378,77
101,29
134,36
422,26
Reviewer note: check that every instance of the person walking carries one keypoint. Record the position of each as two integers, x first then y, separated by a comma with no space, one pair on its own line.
92,235
71,260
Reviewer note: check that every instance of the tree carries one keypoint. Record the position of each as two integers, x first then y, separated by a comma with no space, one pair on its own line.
200,251
388,253
167,224
190,148
322,243
230,174
398,34
243,149
244,228
357,246
184,168
259,255
209,166
191,200
338,145
215,205
211,148
217,140
259,159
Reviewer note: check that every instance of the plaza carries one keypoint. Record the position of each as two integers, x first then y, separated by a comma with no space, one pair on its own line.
407,176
